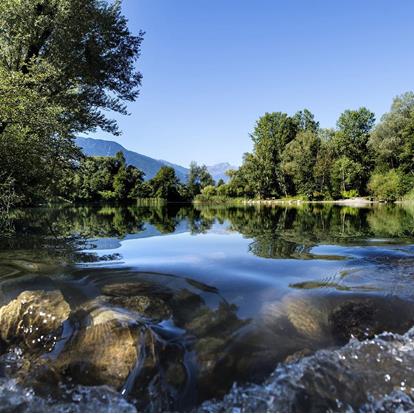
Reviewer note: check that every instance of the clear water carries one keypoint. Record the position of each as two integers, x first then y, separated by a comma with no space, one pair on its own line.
231,292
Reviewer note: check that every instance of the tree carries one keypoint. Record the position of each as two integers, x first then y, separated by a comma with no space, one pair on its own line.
198,178
209,191
272,133
298,162
305,121
351,141
346,175
323,165
389,186
104,178
242,181
392,140
63,65
220,182
165,184
135,183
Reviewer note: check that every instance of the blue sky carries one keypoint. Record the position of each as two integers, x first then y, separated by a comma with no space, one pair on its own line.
212,67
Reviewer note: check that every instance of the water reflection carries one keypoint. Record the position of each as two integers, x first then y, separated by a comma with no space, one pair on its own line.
277,232
170,304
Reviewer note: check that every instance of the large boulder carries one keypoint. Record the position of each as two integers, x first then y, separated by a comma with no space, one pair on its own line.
34,319
105,348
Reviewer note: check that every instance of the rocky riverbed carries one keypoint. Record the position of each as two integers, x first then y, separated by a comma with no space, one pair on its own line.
374,375
291,306
151,347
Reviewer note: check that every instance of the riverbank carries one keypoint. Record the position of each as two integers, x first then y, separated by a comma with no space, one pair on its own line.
353,202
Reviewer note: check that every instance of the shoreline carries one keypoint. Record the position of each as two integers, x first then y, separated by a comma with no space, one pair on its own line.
351,202
356,202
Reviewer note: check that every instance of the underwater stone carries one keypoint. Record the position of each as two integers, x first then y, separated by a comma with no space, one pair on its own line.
34,319
151,307
142,288
306,316
103,352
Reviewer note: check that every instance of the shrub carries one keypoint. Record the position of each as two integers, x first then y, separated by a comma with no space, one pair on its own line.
349,194
388,186
209,191
409,196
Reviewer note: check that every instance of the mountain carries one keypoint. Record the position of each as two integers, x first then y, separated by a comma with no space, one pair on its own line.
100,147
218,171
150,166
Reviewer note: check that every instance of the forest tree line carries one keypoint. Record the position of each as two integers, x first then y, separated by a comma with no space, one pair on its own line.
66,64
293,156
110,179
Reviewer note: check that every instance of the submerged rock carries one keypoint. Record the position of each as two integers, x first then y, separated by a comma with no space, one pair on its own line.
34,319
309,317
324,320
372,375
104,350
28,266
111,346
151,307
142,288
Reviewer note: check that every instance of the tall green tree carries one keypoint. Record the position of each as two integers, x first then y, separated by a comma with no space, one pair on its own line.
63,65
272,133
298,162
351,142
198,178
165,184
323,164
392,141
354,127
346,175
306,121
242,181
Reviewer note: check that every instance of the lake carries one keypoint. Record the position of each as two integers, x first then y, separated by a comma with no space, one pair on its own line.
161,307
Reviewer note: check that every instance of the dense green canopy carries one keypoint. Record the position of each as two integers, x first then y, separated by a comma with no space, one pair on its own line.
63,65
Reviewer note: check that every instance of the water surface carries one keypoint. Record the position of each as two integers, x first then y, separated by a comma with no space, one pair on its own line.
192,299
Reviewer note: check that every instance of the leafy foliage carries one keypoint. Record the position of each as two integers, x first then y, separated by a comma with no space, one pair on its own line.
63,65
292,156
166,185
198,179
389,186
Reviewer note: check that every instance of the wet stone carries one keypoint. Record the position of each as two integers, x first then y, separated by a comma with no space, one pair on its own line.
150,307
34,319
354,319
142,288
372,375
104,351
310,318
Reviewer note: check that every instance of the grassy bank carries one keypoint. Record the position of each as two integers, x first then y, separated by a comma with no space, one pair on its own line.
356,201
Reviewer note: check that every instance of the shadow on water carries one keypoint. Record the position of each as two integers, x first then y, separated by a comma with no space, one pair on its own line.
170,304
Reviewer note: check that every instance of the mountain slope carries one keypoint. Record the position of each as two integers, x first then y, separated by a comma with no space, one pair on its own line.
150,166
100,147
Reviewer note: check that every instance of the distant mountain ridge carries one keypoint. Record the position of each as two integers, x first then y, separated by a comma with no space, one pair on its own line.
100,147
150,166
218,171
